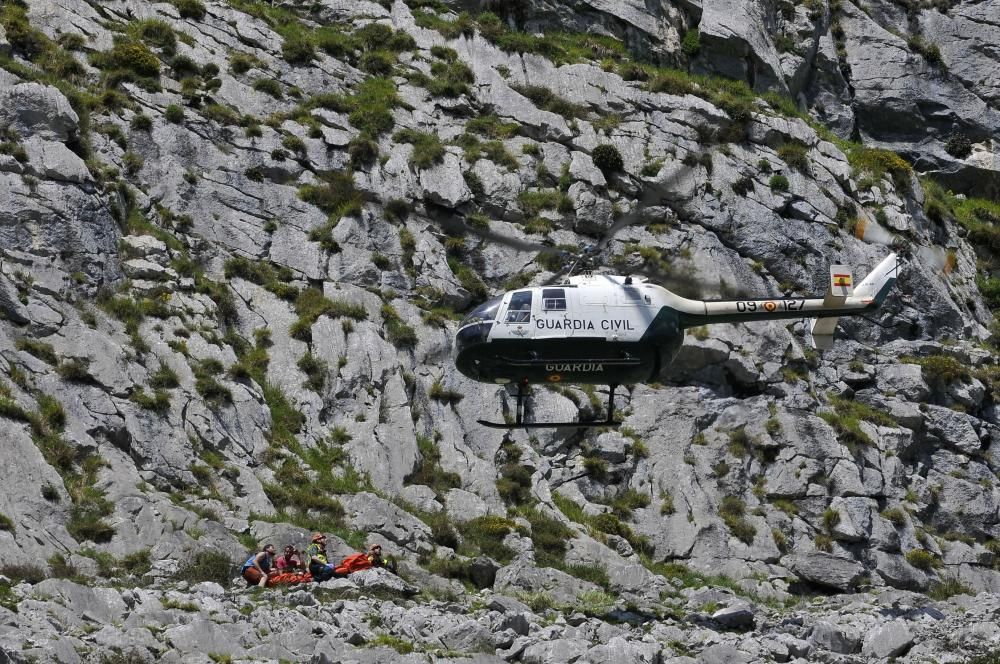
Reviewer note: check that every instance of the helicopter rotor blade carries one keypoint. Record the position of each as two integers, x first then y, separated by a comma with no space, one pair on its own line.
456,227
651,196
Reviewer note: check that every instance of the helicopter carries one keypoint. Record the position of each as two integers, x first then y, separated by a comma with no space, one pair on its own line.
615,330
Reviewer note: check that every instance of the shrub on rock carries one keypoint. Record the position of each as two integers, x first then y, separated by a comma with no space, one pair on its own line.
189,8
778,183
958,145
130,56
298,51
607,158
174,113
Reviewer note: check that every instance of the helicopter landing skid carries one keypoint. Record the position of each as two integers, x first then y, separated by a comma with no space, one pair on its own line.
519,422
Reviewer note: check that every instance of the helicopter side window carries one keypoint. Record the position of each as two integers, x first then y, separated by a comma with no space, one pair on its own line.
519,310
553,299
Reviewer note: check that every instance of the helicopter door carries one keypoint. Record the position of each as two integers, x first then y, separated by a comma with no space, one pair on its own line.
518,317
554,317
633,311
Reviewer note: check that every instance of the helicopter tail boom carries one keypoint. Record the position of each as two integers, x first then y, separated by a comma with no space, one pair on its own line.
842,299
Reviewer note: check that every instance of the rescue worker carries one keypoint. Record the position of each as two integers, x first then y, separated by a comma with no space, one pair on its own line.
258,566
319,566
359,561
375,556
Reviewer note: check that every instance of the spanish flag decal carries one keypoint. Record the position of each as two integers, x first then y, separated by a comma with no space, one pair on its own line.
842,280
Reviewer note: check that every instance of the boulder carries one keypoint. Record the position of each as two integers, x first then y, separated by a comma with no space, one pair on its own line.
556,650
737,616
522,577
888,640
379,578
36,110
952,428
469,636
825,569
835,637
722,653
372,514
54,161
443,183
483,571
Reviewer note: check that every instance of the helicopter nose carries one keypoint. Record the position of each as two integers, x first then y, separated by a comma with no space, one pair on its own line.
472,335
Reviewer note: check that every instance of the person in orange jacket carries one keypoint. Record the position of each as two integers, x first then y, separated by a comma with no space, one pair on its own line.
360,561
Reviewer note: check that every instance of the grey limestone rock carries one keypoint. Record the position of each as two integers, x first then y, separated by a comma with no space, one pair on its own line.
894,113
736,616
722,653
889,640
54,161
619,649
443,184
144,246
962,35
372,514
10,303
735,43
422,497
952,428
556,650
140,268
518,623
483,571
825,569
464,505
906,380
520,576
835,637
469,636
506,604
382,579
41,111
794,646
581,167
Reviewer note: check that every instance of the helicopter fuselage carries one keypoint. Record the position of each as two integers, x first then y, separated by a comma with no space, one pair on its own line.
593,330
613,330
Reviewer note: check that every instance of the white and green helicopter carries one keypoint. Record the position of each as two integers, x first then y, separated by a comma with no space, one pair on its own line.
615,330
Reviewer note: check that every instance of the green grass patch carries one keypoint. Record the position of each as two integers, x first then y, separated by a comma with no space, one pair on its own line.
923,560
533,202
40,349
547,100
311,304
733,513
600,525
940,370
484,535
208,565
397,331
427,148
846,421
428,470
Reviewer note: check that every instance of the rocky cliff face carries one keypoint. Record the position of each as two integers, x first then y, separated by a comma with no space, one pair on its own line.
236,241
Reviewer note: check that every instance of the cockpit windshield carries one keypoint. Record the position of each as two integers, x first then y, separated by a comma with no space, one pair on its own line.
484,313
